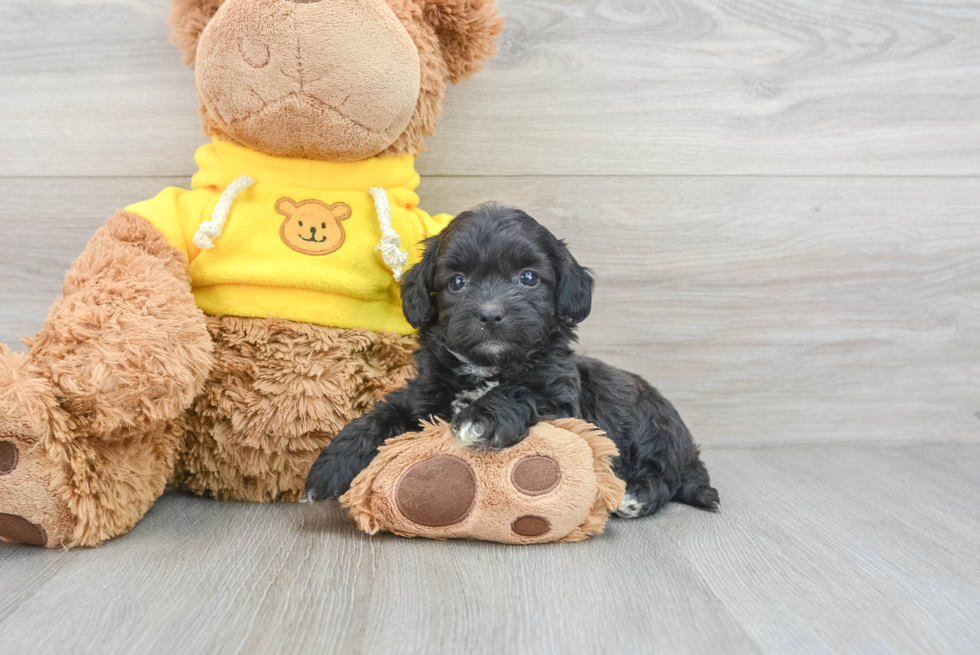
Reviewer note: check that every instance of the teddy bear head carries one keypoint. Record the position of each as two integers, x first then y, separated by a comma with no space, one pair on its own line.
335,80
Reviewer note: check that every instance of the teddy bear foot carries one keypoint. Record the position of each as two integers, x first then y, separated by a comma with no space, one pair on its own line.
30,512
556,485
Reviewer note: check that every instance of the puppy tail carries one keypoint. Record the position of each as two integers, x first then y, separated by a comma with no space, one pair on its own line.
696,487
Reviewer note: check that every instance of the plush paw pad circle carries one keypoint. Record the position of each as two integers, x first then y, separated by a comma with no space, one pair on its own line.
9,456
437,492
18,530
536,475
555,485
30,512
531,526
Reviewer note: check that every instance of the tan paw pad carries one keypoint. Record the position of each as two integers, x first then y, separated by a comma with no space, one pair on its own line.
530,526
30,513
18,530
9,456
535,475
437,492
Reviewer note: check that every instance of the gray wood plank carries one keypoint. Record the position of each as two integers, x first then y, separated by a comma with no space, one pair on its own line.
821,549
854,542
769,310
583,87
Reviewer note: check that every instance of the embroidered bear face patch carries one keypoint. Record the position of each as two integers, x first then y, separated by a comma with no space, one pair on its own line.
312,227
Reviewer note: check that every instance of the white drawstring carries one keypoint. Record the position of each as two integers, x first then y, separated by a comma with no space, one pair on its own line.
391,244
212,229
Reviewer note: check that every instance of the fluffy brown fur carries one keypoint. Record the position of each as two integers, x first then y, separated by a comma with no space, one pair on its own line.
188,18
279,392
444,54
125,345
38,428
274,394
105,383
466,32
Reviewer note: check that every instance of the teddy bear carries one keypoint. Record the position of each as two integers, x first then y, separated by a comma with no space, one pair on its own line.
217,338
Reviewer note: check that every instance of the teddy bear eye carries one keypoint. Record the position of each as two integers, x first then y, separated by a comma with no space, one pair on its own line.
323,226
301,223
457,283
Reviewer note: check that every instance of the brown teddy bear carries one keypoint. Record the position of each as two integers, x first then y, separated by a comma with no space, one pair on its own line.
219,337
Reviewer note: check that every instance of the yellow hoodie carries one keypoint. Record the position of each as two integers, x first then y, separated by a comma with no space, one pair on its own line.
300,243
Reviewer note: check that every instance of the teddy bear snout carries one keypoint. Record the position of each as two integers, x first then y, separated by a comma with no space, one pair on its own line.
262,64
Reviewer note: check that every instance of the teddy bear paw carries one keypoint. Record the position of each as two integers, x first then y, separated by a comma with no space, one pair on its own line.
30,513
547,488
444,490
16,528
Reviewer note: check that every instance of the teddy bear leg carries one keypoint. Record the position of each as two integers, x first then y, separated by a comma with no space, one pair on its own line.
278,393
91,416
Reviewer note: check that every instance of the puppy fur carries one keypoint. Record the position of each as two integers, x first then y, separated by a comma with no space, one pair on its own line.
496,299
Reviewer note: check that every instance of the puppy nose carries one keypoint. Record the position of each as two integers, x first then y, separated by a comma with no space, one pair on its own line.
491,315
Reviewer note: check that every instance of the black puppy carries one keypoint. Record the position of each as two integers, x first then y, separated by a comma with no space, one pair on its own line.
496,299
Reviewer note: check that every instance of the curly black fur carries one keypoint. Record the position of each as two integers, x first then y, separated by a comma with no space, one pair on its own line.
496,299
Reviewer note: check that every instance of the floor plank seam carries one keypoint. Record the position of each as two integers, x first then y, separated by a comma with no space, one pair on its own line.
532,176
825,444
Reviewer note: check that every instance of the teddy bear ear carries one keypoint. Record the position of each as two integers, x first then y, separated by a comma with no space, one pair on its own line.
188,18
286,206
467,32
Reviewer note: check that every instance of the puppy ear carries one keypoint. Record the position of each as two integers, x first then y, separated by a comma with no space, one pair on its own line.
467,31
574,285
419,284
188,18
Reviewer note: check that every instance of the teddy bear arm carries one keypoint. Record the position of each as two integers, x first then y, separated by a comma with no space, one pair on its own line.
125,345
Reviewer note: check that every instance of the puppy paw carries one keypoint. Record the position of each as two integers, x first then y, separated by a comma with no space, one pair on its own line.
629,507
478,430
468,433
330,477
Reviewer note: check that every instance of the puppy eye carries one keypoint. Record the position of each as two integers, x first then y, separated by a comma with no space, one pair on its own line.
529,278
457,283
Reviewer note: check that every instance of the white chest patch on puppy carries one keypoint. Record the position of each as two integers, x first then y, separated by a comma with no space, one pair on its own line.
465,398
480,376
473,371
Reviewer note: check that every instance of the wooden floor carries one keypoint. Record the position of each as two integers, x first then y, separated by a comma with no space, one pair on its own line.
781,201
818,549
